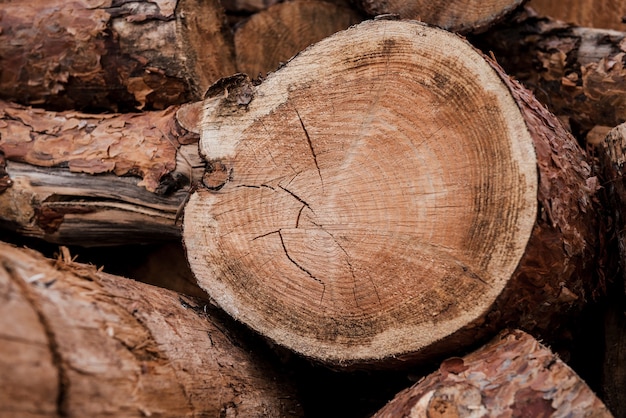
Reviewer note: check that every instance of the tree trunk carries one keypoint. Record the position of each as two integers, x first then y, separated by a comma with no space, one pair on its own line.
78,342
97,179
273,36
461,16
607,14
389,195
578,72
112,55
612,158
513,375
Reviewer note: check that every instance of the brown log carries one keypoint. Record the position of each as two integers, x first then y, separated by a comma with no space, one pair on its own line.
463,16
78,342
390,194
97,179
612,159
514,375
577,72
273,36
607,14
111,55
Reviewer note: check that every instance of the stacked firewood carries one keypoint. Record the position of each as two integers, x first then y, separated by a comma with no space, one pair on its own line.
312,209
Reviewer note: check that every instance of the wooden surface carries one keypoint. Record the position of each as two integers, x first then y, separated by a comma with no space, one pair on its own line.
577,72
606,14
97,179
110,55
272,36
78,342
385,222
514,375
461,16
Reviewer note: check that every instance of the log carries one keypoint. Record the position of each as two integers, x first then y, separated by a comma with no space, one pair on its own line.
612,158
79,342
112,55
390,201
462,16
271,37
97,180
607,14
514,375
577,72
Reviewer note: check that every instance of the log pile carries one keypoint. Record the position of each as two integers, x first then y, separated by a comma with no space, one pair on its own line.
328,209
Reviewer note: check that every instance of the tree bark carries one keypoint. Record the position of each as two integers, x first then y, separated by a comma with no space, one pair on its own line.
612,159
606,14
513,375
112,55
390,195
97,179
273,36
463,16
79,342
577,72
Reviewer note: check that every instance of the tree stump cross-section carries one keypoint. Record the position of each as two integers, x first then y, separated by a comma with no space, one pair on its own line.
364,203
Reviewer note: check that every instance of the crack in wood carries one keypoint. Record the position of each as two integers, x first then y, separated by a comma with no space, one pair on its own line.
308,139
294,262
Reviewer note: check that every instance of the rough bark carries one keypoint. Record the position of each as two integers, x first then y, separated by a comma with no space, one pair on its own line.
577,72
389,194
97,179
461,16
111,55
78,342
612,159
273,36
513,375
607,14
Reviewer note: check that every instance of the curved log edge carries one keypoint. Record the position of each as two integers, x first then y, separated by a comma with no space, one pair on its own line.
513,375
294,230
79,342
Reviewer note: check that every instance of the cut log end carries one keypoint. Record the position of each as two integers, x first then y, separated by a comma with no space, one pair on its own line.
350,226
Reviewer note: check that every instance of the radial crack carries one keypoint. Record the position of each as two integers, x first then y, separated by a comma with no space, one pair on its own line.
308,139
282,241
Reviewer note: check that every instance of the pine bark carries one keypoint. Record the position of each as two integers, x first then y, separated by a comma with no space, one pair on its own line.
76,178
272,36
513,375
577,72
463,16
79,342
390,195
111,55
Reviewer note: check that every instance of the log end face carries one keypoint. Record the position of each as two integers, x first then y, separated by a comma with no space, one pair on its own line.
340,232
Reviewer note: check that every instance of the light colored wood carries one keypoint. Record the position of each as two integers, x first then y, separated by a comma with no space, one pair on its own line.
109,55
274,35
78,342
513,375
377,199
607,14
90,180
461,16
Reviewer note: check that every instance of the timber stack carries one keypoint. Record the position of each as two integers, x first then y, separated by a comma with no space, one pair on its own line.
310,208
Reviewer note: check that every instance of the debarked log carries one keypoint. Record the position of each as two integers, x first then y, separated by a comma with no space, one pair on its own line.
92,180
390,195
112,55
79,342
